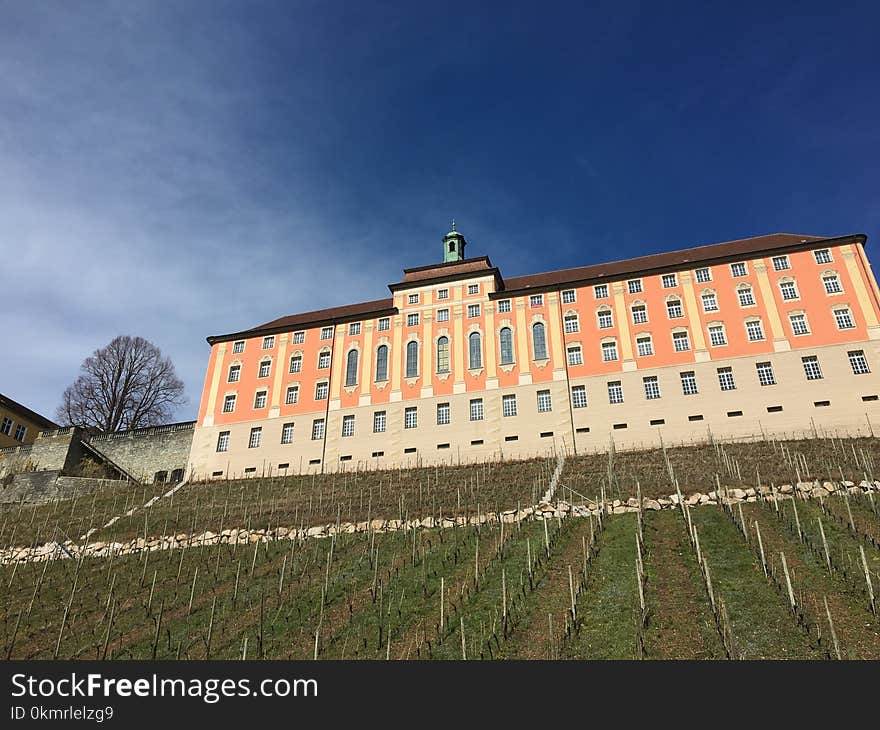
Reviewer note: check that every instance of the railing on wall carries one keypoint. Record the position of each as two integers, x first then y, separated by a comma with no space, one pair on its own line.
17,449
53,432
149,431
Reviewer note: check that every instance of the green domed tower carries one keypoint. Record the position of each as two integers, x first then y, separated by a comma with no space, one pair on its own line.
453,246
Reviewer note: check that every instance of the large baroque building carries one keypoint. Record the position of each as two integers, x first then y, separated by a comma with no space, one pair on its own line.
774,335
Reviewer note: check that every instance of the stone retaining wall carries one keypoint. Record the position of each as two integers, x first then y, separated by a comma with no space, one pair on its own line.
543,511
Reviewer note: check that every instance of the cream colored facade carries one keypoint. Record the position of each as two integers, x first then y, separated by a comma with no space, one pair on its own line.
469,306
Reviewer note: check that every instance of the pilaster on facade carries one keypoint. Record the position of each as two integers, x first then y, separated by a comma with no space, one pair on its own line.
219,357
852,267
622,319
278,376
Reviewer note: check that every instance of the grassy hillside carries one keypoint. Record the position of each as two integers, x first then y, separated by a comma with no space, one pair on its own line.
656,585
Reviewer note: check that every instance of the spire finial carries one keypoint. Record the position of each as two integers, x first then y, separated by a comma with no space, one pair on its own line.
453,224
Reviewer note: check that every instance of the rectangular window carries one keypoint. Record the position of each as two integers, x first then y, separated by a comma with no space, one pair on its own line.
725,379
571,323
754,330
296,364
348,425
503,305
545,404
473,310
644,346
600,291
765,373
238,347
669,280
379,421
292,395
717,337
688,382
223,441
265,367
442,315
811,367
6,426
639,314
704,275
412,299
324,360
799,324
674,309
508,405
473,289
269,342
681,342
788,290
575,355
710,302
832,284
569,296
20,432
326,333
822,256
780,263
652,387
410,417
321,390
605,319
609,351
412,320
746,297
634,286
443,294
579,396
384,324
443,414
234,374
317,429
256,437
229,403
843,318
299,338
477,409
260,399
615,392
354,328
536,300
858,362
287,433
738,269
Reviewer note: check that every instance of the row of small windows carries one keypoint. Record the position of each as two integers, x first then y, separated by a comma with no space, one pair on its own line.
6,428
609,351
380,420
830,281
764,370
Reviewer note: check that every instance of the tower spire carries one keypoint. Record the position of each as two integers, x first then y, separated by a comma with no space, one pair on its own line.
453,245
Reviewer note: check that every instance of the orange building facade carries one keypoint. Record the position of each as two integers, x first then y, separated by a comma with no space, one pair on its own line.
774,335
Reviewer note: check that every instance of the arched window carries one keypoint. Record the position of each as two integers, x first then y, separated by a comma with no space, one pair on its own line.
506,340
412,359
443,355
351,368
475,350
382,363
539,341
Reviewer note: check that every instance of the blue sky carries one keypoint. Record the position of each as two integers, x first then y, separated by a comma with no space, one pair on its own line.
179,169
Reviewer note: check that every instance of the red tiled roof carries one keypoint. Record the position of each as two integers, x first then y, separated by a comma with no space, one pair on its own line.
615,269
306,319
666,260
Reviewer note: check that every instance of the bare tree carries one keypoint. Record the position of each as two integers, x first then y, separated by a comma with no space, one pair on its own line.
127,384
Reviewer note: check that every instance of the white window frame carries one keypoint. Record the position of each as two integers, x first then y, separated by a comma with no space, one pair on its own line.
536,300
322,387
669,281
255,437
812,368
261,399
384,324
326,333
858,361
766,376
644,346
476,409
703,278
545,401
318,425
609,351
726,381
600,291
354,329
579,396
615,391
823,256
780,263
681,337
642,309
688,382
287,433
292,395
347,426
634,286
412,319
268,342
843,318
504,306
410,417
652,387
605,319
508,405
571,323
380,421
802,323
574,355
238,347
569,296
755,330
473,311
444,414
735,271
